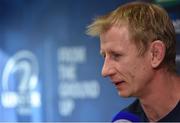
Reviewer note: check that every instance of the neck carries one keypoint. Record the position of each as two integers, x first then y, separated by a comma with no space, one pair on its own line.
163,95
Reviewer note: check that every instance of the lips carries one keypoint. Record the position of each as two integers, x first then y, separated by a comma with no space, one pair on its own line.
118,82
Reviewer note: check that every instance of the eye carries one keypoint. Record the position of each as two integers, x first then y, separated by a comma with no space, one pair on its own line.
116,56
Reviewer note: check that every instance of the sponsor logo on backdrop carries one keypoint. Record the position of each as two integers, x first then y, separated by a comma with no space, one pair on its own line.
21,71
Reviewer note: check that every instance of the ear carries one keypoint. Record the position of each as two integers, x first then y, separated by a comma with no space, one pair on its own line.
157,49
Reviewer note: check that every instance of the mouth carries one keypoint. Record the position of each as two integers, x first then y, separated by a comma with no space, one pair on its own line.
118,82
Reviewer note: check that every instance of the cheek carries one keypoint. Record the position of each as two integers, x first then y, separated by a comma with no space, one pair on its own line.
137,72
134,69
128,71
141,74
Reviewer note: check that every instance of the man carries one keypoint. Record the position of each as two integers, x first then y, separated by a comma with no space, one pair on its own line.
137,41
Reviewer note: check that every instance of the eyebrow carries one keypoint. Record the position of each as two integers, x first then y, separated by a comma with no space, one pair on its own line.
111,51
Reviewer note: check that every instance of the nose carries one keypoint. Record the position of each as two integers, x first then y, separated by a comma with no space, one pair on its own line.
107,69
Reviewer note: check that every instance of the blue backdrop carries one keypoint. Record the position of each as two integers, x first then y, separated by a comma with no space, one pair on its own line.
50,70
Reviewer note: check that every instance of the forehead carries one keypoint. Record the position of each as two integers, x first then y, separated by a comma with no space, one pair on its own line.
116,37
115,31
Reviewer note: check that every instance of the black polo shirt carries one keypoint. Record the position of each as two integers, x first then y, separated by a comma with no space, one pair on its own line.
135,108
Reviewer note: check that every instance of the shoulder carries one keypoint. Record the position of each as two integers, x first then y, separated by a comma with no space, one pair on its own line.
174,115
133,111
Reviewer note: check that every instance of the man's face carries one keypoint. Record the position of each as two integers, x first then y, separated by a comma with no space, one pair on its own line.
129,72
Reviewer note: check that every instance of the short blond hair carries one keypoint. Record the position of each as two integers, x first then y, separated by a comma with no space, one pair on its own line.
146,22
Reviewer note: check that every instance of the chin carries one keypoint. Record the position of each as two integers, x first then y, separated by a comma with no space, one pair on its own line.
124,94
